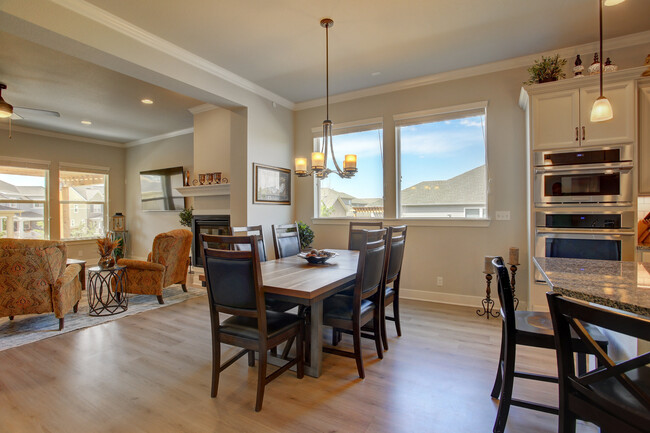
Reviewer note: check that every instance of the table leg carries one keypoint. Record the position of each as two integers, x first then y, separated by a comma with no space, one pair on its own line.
316,332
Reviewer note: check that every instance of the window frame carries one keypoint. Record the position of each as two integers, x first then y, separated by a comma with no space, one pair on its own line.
430,116
103,171
362,125
38,165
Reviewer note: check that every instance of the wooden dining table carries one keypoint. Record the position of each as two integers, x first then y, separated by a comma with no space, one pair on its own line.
294,279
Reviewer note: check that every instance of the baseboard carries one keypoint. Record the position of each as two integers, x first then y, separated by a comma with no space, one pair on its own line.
449,298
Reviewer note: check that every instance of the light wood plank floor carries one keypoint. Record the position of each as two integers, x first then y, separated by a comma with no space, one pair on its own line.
151,373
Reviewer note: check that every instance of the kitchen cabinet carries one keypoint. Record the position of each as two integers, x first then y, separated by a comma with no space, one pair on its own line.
560,119
644,138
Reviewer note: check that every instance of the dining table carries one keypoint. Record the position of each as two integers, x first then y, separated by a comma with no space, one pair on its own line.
617,284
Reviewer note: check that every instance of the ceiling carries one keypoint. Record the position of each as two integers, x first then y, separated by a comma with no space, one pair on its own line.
280,46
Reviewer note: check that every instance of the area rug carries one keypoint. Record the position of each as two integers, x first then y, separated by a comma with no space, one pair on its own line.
34,327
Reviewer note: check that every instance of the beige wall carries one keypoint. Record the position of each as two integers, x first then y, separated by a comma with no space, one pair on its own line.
64,150
144,226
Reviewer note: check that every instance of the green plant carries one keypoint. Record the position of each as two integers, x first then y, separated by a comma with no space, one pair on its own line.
547,69
118,252
306,235
186,216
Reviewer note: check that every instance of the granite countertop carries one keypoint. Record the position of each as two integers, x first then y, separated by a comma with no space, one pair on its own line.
622,285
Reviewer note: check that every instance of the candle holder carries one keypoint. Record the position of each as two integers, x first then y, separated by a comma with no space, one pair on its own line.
488,303
513,271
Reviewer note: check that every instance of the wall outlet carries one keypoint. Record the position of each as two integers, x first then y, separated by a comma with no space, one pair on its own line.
503,215
439,281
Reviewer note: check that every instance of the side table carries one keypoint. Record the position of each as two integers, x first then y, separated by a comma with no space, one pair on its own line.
107,291
82,273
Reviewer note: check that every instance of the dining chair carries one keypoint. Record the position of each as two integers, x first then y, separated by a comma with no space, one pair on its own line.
352,312
286,240
616,395
251,231
234,285
525,328
395,244
356,230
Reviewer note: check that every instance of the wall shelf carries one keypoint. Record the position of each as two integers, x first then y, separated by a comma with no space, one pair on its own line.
204,190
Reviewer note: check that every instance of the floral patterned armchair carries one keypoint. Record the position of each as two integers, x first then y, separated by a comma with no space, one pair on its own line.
167,264
34,279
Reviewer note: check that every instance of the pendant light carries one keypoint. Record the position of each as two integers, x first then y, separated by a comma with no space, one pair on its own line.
602,109
319,159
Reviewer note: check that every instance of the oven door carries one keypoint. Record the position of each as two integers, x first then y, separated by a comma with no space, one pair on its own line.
583,184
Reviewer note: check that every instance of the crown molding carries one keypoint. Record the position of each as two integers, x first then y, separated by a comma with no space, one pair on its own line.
124,27
201,108
61,135
159,137
502,65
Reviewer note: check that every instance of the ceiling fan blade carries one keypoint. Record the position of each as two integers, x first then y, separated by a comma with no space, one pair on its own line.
35,111
15,116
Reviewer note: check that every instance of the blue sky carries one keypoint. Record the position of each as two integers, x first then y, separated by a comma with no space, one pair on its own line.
21,180
430,151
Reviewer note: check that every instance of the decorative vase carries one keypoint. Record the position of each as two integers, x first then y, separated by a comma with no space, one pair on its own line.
106,261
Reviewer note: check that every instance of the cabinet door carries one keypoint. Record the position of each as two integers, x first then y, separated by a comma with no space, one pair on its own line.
618,130
644,139
555,119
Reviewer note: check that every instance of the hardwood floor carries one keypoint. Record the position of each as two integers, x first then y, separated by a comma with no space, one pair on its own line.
151,373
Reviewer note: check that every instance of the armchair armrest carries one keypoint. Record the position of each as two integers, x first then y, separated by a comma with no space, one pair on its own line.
141,265
66,291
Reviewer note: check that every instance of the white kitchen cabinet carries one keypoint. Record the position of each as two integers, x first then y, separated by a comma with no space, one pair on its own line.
644,138
561,119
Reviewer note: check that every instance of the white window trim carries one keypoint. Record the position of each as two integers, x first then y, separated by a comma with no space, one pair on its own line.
104,171
426,116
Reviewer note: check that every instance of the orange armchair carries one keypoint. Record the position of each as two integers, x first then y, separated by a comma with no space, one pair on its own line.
34,279
167,264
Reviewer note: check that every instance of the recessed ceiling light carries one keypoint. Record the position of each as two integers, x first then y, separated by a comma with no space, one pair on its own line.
147,101
86,122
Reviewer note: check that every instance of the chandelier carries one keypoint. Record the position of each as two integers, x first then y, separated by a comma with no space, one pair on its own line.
319,159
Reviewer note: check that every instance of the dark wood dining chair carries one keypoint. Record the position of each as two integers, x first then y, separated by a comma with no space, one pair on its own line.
356,230
395,244
251,231
525,328
286,240
616,395
352,312
234,285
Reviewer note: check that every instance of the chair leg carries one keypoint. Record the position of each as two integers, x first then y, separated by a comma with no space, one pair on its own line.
356,335
506,388
287,348
274,351
11,317
496,389
377,330
216,365
335,339
582,363
384,335
251,358
184,286
61,323
76,307
300,351
398,325
160,299
261,380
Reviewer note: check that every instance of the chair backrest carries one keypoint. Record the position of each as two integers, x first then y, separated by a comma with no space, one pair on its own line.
172,250
395,244
506,298
286,240
234,278
370,269
356,230
250,231
613,397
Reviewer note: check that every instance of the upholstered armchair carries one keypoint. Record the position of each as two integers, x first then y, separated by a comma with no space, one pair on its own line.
34,279
167,264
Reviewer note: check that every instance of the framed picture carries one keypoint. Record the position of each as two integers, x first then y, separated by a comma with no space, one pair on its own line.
272,185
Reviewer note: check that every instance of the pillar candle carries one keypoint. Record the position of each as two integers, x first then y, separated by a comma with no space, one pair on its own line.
489,269
514,256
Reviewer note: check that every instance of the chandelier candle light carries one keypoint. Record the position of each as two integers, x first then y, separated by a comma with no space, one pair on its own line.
319,159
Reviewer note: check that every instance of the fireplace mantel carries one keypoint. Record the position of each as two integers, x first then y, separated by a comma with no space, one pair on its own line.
204,190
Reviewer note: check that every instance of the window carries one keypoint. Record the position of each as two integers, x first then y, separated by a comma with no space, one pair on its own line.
442,169
363,195
23,195
83,204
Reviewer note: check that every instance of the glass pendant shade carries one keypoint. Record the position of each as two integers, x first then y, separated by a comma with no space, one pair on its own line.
6,110
601,110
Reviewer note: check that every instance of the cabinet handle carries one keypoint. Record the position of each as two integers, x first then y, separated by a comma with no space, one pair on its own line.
576,133
583,133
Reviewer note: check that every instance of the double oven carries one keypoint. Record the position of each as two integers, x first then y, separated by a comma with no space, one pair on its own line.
583,203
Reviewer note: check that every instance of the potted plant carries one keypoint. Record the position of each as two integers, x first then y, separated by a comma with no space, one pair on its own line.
547,69
306,235
186,216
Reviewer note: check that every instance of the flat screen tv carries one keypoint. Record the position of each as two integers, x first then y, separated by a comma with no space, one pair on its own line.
158,189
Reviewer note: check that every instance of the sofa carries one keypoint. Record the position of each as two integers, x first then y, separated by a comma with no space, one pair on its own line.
34,279
166,264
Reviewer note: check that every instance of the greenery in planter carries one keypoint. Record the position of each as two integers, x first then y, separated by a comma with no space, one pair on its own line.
186,216
547,69
306,235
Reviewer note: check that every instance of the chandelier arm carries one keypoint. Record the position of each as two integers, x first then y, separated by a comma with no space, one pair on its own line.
336,164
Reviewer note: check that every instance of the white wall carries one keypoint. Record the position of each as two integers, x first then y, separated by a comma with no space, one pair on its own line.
144,226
